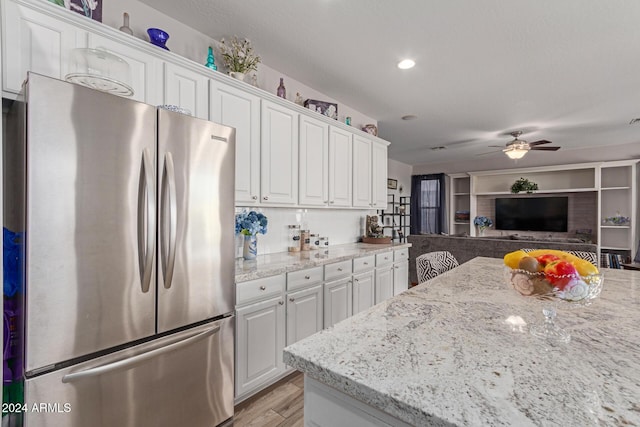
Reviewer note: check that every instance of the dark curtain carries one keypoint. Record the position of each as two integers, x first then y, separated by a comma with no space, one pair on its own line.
428,201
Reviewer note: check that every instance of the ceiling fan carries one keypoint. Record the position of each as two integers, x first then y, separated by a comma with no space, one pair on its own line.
517,148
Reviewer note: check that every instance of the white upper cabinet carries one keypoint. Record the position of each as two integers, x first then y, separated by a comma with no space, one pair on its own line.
35,41
379,175
279,155
340,167
314,162
146,69
186,89
241,110
361,172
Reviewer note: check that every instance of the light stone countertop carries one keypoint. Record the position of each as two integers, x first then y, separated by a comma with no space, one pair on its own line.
443,353
283,262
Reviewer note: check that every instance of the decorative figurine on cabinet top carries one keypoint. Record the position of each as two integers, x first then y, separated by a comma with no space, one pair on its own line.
211,60
282,91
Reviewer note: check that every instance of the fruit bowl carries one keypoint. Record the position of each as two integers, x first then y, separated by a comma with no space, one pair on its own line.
557,279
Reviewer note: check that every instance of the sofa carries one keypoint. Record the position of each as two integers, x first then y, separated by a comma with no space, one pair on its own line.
466,248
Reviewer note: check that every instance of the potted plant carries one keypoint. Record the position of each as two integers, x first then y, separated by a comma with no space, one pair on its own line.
523,184
238,56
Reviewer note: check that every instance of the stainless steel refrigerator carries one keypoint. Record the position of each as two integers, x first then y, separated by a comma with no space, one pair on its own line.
128,218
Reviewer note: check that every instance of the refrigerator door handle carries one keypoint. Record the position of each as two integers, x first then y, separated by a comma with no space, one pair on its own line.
146,220
126,363
169,249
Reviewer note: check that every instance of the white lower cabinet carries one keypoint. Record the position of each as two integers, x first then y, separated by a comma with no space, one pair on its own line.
400,277
363,291
260,334
337,301
384,283
304,313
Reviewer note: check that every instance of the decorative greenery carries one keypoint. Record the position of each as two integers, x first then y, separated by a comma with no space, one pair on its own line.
482,222
524,184
251,223
238,56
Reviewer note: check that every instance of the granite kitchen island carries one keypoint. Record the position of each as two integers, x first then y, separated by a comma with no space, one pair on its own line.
456,351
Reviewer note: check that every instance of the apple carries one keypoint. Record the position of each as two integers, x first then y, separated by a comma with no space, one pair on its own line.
547,258
560,273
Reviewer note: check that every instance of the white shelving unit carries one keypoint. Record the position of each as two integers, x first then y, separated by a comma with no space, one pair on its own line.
459,200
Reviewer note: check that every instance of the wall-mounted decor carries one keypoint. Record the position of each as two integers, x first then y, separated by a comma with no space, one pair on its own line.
392,184
328,109
89,8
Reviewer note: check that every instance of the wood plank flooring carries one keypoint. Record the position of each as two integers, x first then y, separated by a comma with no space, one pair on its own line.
280,405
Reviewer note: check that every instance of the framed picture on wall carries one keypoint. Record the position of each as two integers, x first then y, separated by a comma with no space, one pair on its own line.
392,184
89,8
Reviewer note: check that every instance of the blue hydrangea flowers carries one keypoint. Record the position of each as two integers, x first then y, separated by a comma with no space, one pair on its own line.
251,223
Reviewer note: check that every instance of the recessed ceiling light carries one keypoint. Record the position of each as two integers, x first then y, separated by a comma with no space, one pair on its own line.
409,117
405,64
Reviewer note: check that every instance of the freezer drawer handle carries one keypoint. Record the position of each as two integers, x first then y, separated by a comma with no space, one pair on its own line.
168,248
146,221
127,363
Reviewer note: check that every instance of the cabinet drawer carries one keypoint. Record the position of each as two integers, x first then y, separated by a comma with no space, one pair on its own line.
337,269
302,278
363,264
401,254
259,289
384,259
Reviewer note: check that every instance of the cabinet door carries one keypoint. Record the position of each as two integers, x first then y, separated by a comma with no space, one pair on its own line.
337,301
279,155
400,277
314,159
260,335
340,167
236,108
363,291
379,175
146,70
304,313
33,41
384,283
361,172
186,89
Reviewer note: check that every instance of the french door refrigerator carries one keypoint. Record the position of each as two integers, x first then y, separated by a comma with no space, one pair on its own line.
128,220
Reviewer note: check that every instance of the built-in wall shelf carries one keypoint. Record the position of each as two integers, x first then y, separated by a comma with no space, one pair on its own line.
614,188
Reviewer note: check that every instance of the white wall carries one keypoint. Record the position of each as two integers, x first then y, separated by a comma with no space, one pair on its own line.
191,44
561,157
402,172
339,225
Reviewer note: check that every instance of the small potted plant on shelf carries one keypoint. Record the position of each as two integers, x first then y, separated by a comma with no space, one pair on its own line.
238,57
523,184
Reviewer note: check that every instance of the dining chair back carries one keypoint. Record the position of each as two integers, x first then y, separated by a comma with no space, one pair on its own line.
431,264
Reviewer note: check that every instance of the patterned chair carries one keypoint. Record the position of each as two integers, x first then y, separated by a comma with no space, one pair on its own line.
592,257
431,264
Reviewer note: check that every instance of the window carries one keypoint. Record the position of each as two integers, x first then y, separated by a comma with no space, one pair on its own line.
428,204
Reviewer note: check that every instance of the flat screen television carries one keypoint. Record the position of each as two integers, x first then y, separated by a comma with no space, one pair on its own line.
532,213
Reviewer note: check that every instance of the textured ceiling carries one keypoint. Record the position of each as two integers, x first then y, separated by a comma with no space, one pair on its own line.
566,71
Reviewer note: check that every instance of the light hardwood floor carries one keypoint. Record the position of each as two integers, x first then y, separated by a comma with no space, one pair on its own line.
280,405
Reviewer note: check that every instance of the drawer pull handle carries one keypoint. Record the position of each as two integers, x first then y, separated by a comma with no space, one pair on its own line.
292,299
281,302
366,263
263,288
307,277
254,197
339,269
265,198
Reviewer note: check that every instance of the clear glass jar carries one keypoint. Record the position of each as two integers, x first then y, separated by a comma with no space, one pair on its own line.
101,70
314,241
293,239
305,240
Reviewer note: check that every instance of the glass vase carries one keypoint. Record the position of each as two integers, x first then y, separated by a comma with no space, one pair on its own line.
250,248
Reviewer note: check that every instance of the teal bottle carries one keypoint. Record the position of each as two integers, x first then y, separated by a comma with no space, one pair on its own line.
210,60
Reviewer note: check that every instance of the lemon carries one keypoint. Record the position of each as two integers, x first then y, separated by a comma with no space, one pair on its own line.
512,259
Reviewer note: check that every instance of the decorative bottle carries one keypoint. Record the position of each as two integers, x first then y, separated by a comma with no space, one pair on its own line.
282,91
211,60
125,24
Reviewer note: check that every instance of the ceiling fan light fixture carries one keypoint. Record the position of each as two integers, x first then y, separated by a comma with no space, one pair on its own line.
516,151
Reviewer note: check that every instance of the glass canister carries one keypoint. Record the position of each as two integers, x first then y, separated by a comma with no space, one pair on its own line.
305,240
324,243
314,242
293,238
